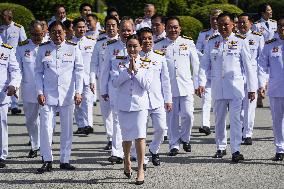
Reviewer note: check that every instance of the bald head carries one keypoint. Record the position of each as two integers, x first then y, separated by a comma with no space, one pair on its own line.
36,31
126,28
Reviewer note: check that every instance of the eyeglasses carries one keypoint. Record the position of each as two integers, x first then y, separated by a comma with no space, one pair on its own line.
54,32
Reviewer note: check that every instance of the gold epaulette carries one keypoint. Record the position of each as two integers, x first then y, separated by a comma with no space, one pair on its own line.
111,41
187,37
18,25
158,40
102,38
159,52
270,41
145,59
92,38
272,20
121,57
256,33
205,30
7,46
71,42
45,43
102,32
240,36
213,36
25,42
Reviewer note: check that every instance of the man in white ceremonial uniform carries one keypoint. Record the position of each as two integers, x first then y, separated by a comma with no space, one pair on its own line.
158,27
182,58
200,46
92,21
159,94
59,76
227,59
10,78
97,64
84,111
115,52
59,14
149,11
256,43
26,56
11,34
271,61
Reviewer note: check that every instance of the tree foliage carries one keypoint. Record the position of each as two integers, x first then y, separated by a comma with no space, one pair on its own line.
190,26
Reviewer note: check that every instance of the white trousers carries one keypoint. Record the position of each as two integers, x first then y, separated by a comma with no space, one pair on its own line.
159,124
116,149
3,131
183,107
107,117
47,114
220,111
84,112
248,115
32,123
277,111
206,107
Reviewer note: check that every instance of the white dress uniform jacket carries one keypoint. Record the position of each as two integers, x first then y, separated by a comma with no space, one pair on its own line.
261,26
146,22
203,39
61,64
157,37
12,34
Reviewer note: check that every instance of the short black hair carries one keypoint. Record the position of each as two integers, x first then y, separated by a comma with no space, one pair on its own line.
67,23
281,18
145,29
111,9
224,14
246,14
163,18
262,7
94,16
109,17
57,6
57,23
134,36
77,20
172,18
85,5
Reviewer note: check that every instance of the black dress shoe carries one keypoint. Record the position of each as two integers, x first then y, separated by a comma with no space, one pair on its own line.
247,141
67,166
88,130
155,159
2,163
15,111
108,146
29,143
80,131
165,138
46,167
115,159
32,154
278,157
237,156
220,154
205,130
139,182
173,152
132,158
186,146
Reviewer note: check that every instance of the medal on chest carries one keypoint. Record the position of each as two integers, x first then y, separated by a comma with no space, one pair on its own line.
27,53
3,57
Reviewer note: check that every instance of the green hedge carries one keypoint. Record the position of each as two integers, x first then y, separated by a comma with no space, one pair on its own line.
190,26
203,13
21,14
135,8
178,7
74,15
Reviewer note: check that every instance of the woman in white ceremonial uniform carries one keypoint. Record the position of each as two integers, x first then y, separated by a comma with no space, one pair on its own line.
133,77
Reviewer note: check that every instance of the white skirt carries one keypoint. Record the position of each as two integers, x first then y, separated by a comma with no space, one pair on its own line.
133,124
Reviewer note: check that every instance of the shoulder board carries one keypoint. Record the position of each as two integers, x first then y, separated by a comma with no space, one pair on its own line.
89,37
121,57
111,41
45,43
213,36
186,37
206,30
272,20
240,36
71,42
159,52
145,60
158,40
270,41
18,25
256,33
102,38
7,46
25,42
102,32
